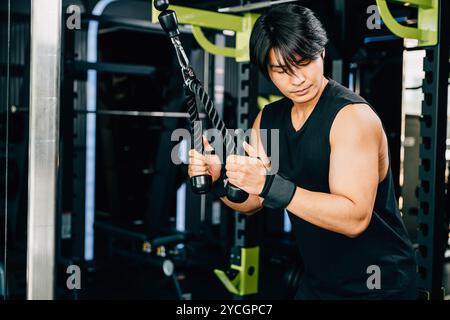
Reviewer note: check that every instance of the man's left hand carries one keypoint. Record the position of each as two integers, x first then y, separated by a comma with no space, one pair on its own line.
246,172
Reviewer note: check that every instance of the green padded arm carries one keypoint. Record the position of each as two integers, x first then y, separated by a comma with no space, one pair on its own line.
426,32
241,25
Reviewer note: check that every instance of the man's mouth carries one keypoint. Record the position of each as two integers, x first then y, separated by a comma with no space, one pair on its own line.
301,91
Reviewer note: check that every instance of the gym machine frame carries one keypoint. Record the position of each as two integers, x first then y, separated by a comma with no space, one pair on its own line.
433,33
242,277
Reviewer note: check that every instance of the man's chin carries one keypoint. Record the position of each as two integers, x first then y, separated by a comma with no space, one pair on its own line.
301,99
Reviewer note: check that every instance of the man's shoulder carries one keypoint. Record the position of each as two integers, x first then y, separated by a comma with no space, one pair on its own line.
357,119
359,112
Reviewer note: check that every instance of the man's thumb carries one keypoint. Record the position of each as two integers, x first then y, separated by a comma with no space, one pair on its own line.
206,144
249,149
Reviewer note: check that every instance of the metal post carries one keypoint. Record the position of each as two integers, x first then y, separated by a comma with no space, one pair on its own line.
43,146
432,236
244,225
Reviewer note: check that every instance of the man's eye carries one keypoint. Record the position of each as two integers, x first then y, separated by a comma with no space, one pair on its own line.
304,63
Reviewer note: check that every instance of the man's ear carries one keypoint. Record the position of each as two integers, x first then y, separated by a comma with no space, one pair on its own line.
323,54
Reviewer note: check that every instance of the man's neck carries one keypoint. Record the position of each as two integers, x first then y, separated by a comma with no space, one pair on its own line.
305,107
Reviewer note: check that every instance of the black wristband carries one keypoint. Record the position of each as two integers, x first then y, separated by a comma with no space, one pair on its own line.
277,192
267,185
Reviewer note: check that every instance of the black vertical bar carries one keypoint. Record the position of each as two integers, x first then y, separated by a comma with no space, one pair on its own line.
77,151
66,190
342,11
432,236
246,227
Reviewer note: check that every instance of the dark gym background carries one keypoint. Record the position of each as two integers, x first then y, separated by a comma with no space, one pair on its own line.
139,193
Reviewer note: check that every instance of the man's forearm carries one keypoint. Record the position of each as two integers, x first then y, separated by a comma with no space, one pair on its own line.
332,212
249,206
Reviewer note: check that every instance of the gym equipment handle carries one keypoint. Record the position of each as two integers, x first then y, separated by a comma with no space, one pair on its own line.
200,184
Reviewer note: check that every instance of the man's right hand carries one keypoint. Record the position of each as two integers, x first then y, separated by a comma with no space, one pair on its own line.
200,165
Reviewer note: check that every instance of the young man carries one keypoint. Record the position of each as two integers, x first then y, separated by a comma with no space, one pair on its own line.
334,174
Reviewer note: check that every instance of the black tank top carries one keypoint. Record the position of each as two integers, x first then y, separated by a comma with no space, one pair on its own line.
336,266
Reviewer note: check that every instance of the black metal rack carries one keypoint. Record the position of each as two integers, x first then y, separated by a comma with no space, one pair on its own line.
432,224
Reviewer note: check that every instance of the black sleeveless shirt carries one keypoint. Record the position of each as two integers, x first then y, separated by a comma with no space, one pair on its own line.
336,266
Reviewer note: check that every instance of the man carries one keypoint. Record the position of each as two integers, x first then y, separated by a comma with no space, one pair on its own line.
334,174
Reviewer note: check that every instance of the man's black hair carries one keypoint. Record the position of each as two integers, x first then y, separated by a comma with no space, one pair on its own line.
292,31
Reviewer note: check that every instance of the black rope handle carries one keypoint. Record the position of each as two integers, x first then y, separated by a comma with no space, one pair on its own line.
234,194
200,184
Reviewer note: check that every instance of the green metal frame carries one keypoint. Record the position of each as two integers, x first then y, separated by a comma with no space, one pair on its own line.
263,101
245,282
426,32
241,25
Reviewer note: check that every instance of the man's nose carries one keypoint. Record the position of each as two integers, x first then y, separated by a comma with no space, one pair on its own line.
297,78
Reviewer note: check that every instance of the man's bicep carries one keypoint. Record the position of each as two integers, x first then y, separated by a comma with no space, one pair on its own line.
354,156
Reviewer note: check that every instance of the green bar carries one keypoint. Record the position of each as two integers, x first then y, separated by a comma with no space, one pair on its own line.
241,25
394,26
428,23
230,285
204,18
426,32
243,37
209,46
415,3
250,259
244,283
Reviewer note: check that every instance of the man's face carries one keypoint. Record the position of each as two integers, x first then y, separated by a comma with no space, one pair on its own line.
301,86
